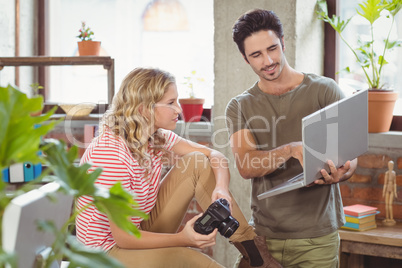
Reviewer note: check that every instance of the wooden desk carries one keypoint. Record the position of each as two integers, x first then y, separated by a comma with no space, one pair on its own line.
383,242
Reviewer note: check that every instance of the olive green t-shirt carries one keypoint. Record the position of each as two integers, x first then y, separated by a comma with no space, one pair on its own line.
275,121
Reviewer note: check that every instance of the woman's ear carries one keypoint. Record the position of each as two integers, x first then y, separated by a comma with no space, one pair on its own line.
142,109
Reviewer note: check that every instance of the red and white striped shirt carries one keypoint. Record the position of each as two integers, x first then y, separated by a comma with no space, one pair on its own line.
112,155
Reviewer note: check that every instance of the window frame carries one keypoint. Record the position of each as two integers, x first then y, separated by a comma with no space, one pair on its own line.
42,34
331,41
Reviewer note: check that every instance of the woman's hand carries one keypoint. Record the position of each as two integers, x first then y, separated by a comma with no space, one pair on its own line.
220,192
195,239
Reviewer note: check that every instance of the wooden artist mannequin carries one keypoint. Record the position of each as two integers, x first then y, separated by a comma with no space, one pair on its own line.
389,192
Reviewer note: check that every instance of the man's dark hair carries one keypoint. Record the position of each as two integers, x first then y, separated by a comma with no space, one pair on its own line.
254,21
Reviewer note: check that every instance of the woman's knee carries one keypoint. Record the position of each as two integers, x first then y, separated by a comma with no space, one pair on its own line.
163,257
194,161
195,167
187,257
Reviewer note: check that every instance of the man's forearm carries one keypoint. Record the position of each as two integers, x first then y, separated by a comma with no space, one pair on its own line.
259,163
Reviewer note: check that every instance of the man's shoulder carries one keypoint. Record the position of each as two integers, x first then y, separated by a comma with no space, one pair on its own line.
326,89
247,95
319,79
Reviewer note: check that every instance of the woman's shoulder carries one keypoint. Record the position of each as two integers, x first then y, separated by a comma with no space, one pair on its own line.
109,145
170,137
168,134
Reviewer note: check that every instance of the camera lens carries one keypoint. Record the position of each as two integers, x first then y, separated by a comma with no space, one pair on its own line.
227,228
224,202
228,233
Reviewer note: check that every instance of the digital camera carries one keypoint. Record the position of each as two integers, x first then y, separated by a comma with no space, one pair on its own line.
217,216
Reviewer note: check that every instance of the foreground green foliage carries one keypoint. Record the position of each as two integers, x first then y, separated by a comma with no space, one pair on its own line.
21,133
20,141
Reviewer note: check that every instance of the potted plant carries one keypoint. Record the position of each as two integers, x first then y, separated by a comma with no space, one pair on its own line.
381,99
35,87
192,107
87,47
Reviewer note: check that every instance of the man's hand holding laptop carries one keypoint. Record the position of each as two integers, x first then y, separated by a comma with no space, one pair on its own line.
337,175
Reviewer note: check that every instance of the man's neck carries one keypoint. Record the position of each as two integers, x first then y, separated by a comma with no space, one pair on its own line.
287,81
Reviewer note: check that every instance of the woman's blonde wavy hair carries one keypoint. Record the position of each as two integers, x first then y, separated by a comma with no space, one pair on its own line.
131,115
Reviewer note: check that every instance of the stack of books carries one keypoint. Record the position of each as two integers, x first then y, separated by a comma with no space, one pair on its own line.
360,217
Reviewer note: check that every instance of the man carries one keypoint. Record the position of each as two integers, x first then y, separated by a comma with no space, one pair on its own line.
264,122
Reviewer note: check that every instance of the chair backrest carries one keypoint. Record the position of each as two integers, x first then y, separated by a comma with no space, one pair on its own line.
20,223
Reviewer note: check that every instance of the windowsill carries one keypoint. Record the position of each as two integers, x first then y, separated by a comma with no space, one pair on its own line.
390,139
200,129
90,117
183,129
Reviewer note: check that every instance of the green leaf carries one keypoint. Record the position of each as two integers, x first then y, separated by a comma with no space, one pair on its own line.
80,256
46,226
8,258
322,9
119,200
365,45
344,70
73,179
20,139
335,21
21,133
363,56
393,6
393,44
382,61
116,203
371,10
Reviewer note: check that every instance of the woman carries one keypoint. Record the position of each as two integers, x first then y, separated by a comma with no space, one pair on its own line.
135,137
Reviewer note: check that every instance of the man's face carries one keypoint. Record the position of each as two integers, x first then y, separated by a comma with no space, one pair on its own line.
264,53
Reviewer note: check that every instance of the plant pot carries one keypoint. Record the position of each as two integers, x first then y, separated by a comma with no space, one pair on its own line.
89,48
380,110
192,109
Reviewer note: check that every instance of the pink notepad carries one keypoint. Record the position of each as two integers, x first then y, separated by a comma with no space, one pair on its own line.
359,210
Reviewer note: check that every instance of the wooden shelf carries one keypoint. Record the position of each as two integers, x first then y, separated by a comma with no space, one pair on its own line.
382,235
91,117
383,241
107,62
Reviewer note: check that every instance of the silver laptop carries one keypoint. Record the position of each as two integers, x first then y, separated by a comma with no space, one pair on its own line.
337,132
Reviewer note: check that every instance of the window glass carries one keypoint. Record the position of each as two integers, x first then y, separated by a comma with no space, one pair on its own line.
118,24
358,27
